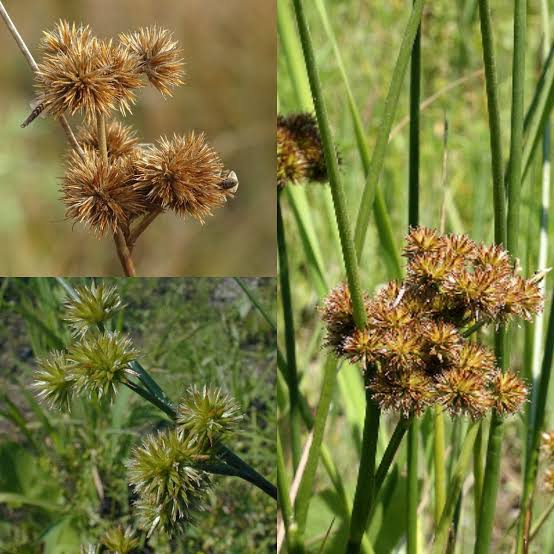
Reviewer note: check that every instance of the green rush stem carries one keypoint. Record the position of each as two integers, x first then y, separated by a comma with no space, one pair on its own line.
541,521
536,425
439,462
517,119
455,488
305,488
335,178
288,321
491,84
413,220
285,506
494,446
381,144
257,304
478,472
365,485
412,493
151,398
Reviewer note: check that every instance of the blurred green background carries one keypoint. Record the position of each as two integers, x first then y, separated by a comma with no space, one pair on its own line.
230,51
189,331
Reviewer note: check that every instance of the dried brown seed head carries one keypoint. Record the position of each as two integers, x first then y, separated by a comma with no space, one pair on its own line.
102,196
509,393
421,241
121,139
183,174
362,346
158,56
65,37
521,298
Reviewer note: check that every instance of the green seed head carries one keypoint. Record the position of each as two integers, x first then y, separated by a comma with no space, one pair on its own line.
205,416
120,541
100,362
164,472
93,304
54,381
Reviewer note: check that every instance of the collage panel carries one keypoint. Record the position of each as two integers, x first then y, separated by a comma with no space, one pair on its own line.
144,142
137,415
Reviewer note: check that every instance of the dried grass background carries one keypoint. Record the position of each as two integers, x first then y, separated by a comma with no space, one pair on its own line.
230,51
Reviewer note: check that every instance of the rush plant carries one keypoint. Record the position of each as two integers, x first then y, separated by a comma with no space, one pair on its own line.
113,183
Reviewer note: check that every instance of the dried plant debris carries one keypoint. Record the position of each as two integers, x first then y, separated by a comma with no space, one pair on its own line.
416,348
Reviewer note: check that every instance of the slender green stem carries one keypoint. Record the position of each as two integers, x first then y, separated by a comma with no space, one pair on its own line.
455,488
305,488
335,178
439,462
291,529
290,337
541,520
491,83
257,304
365,485
382,219
478,472
381,144
413,497
151,398
516,137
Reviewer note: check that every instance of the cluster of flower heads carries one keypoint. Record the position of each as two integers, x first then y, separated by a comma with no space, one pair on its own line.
80,73
300,156
416,348
547,448
168,471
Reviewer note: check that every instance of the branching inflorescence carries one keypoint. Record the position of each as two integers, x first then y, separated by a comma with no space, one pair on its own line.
416,341
171,471
113,184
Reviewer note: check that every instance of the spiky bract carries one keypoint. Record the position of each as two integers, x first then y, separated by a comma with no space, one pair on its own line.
206,416
300,156
164,471
120,540
121,139
101,362
54,381
103,196
183,174
158,55
92,304
414,341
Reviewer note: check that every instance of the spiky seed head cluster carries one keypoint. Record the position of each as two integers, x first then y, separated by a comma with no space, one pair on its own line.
100,362
159,57
121,139
300,156
414,338
103,196
166,475
120,540
91,305
206,416
55,381
183,174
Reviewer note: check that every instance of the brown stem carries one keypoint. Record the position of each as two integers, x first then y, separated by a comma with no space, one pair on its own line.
101,133
142,225
124,254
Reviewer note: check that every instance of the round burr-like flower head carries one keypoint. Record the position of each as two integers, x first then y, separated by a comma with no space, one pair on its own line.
79,73
183,174
103,196
300,156
164,472
206,416
92,304
120,540
55,381
158,55
509,393
121,139
101,362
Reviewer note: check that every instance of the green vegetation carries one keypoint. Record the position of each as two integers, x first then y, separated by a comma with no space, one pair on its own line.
65,476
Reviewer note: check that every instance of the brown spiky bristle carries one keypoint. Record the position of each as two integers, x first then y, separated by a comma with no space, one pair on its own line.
104,197
79,73
158,56
121,139
183,174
